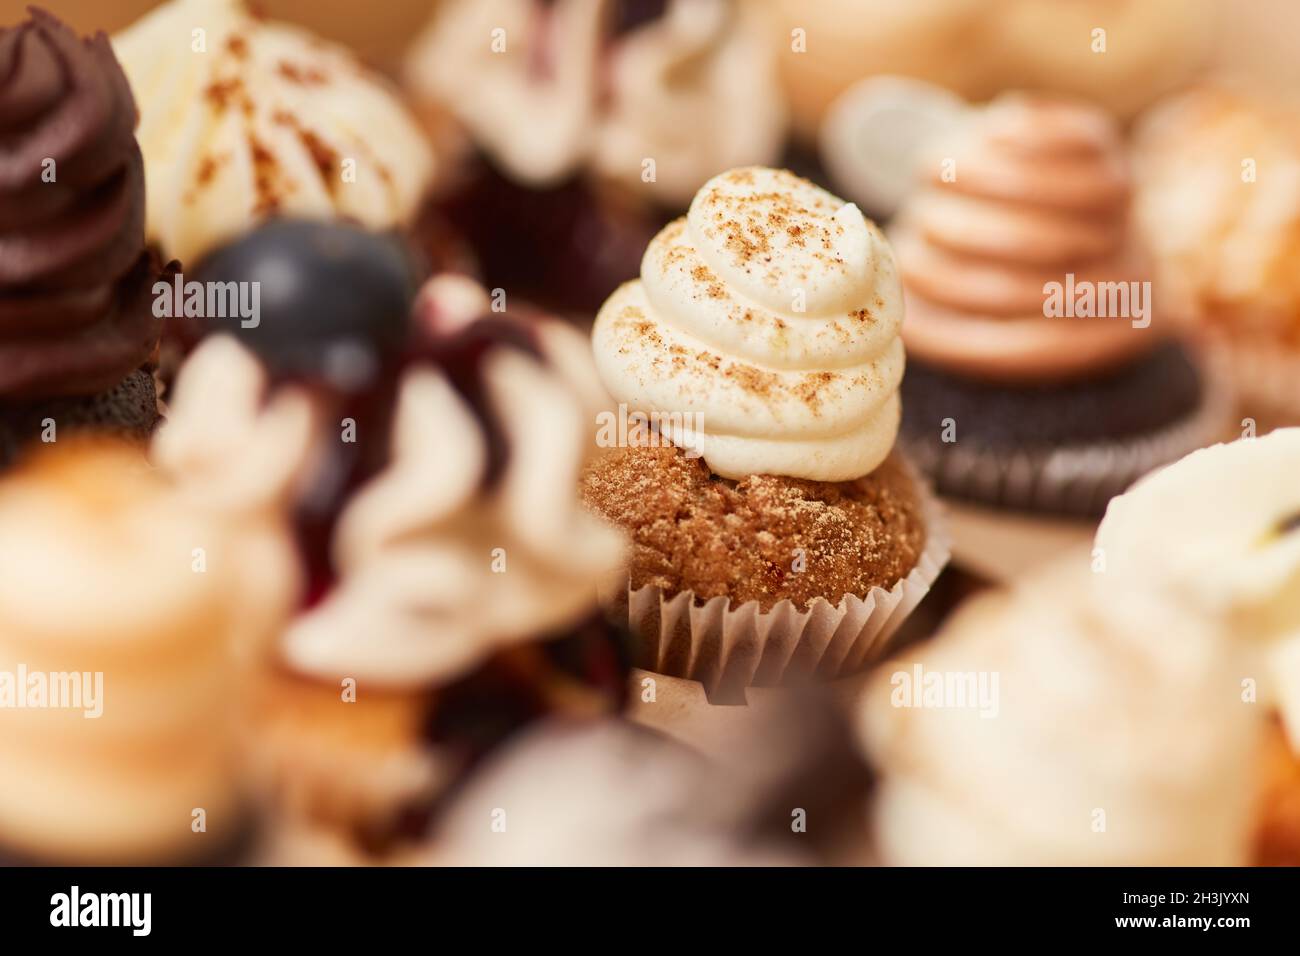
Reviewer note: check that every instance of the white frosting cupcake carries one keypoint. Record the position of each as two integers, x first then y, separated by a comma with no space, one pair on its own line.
242,118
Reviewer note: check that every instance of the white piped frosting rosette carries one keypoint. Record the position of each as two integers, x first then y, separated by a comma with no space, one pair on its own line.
1220,531
764,334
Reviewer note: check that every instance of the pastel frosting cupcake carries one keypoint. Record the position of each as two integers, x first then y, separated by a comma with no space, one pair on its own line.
244,118
760,353
1044,377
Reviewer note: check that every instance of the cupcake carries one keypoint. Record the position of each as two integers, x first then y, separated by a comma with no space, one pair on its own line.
1218,201
1042,376
438,518
1077,720
77,322
243,119
757,362
1277,836
591,121
119,736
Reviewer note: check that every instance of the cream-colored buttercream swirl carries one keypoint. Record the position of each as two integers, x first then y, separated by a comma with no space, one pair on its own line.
1109,731
546,90
1031,191
242,118
1240,556
763,331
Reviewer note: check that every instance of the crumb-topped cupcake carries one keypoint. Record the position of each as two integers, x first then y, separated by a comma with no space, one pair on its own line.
757,364
77,324
1044,376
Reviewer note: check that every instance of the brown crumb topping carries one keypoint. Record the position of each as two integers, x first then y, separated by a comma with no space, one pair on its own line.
746,540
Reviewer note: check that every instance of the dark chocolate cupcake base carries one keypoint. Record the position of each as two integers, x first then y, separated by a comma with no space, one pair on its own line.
130,410
1061,449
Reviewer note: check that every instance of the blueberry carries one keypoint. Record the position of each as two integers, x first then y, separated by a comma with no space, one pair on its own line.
333,300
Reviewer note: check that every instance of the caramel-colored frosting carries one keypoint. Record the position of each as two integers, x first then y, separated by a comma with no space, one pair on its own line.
548,89
1218,203
242,118
75,311
105,570
1028,193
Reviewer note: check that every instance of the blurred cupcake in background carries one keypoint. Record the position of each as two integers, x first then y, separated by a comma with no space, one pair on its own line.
243,119
78,329
613,794
776,534
979,48
1043,375
590,121
1218,202
1077,720
451,575
130,754
1220,531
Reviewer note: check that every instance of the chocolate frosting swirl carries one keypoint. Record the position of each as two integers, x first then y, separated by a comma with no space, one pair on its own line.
75,312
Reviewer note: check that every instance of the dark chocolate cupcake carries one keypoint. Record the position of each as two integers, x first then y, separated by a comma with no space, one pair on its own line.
1041,375
77,323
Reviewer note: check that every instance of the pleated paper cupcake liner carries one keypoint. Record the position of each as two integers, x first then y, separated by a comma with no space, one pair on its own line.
728,649
1071,479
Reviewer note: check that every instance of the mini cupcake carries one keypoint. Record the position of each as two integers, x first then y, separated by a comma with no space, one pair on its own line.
130,752
1078,720
243,119
77,323
591,121
1218,201
1043,376
477,603
757,364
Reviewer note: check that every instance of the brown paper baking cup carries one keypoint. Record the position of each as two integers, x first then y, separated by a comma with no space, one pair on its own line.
1074,479
728,649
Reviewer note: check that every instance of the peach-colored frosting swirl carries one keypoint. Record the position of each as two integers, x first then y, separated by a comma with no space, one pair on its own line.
1029,192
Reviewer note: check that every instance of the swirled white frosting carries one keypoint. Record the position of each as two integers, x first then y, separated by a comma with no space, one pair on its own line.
241,118
436,572
764,331
1115,733
545,91
1239,558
